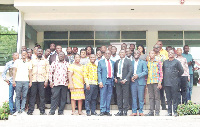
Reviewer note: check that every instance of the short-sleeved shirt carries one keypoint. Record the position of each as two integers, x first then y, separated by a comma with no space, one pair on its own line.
189,59
23,68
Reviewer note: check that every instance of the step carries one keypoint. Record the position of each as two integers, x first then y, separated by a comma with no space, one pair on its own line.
112,107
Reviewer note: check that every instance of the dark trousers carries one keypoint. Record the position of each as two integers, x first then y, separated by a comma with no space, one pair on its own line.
122,91
48,94
91,98
59,94
114,96
183,89
105,96
162,98
37,86
172,93
154,97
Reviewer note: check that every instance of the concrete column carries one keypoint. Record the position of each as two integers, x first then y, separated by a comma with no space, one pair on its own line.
152,38
21,32
40,38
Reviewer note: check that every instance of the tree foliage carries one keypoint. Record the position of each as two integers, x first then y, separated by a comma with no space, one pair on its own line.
8,44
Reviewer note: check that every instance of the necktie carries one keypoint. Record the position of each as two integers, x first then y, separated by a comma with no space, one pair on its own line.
120,66
109,69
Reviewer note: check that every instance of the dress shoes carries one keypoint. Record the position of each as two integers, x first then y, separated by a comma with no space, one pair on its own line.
88,114
120,113
125,113
169,114
94,113
108,114
102,114
150,114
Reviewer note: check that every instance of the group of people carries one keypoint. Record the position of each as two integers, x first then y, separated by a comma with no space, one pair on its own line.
125,74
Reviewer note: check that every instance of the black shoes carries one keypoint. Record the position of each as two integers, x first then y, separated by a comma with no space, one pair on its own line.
102,114
125,113
50,113
29,113
108,114
43,113
60,113
120,113
94,113
88,114
150,114
169,114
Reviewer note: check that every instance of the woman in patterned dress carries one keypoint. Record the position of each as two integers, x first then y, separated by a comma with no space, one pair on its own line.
76,85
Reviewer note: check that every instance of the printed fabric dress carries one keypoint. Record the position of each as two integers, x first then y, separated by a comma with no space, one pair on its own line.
78,81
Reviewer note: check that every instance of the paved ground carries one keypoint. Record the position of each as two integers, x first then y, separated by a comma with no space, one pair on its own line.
100,121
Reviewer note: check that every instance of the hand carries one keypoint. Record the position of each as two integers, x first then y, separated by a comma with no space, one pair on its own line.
159,86
115,80
123,81
30,84
88,87
45,84
132,79
7,81
135,76
71,87
51,84
101,85
14,84
188,78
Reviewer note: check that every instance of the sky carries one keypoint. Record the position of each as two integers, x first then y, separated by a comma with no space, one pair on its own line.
9,19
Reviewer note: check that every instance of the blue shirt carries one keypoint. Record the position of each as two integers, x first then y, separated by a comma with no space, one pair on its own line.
9,66
189,59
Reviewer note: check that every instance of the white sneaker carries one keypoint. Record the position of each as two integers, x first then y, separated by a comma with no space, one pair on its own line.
24,113
16,114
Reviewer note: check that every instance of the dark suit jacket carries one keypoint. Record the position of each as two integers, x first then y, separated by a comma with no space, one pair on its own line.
53,58
172,70
126,70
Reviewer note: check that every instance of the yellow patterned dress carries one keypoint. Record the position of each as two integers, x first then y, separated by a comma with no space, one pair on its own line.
78,81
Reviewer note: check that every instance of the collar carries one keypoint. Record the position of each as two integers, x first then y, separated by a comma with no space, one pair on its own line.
92,64
40,59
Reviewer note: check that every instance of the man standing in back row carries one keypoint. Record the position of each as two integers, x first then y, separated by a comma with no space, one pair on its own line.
189,61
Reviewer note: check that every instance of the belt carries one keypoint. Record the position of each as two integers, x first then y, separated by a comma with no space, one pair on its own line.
119,77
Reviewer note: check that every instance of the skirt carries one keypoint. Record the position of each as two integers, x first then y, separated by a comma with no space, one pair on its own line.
77,94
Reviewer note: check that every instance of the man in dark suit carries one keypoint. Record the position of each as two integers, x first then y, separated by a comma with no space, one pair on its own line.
138,83
105,80
122,74
54,57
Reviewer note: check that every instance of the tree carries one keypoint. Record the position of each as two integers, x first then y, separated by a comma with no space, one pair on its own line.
8,42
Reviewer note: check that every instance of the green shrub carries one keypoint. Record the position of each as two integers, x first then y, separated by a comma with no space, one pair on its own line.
4,111
188,109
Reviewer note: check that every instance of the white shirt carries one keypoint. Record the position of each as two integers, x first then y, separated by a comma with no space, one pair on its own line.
97,61
120,75
107,68
114,58
23,68
135,66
